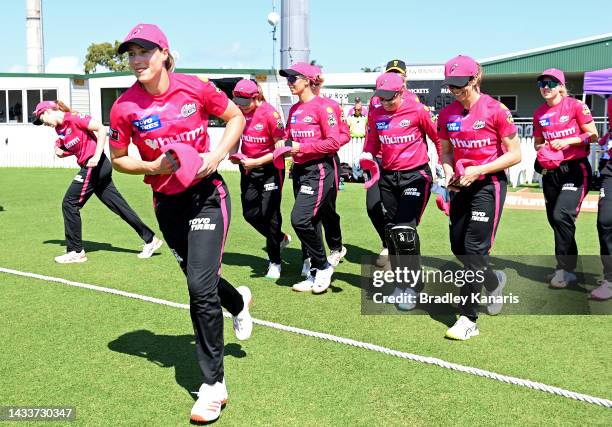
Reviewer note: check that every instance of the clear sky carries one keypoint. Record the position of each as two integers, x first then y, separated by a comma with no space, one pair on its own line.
344,35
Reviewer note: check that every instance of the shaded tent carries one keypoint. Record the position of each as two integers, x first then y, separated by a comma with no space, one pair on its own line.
599,83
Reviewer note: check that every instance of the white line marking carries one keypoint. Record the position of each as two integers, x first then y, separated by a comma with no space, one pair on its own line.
372,347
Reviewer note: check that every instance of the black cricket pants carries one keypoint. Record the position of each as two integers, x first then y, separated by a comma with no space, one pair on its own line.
604,221
474,215
313,188
404,195
98,181
564,189
261,193
375,208
195,224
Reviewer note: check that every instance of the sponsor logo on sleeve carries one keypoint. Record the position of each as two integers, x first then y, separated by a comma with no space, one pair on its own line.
279,124
383,125
545,122
331,119
478,124
509,118
453,126
404,123
563,119
329,110
585,110
114,134
188,109
148,123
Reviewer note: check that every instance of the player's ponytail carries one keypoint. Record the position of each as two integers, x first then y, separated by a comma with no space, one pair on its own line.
62,107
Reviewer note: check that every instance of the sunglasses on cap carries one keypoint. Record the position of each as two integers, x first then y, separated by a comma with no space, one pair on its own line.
460,87
550,83
293,79
389,99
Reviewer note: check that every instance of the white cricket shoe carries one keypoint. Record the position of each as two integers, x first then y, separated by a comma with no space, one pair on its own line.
336,255
494,308
306,268
149,248
71,257
463,329
561,279
274,271
211,399
603,291
305,285
243,322
383,257
322,280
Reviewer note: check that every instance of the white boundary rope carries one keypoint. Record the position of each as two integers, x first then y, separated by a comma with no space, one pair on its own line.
346,341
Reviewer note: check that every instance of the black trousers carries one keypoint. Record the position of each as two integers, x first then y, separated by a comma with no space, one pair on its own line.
604,221
261,193
96,181
404,195
195,224
375,208
313,188
474,215
564,189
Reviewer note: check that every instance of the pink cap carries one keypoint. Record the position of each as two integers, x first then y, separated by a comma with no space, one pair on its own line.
388,84
278,157
244,91
461,164
41,107
148,36
549,158
442,204
554,73
371,166
189,162
237,156
302,69
459,70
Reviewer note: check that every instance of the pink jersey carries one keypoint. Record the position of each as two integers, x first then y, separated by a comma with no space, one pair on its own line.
563,121
609,126
75,138
263,126
179,115
315,126
476,134
401,135
345,131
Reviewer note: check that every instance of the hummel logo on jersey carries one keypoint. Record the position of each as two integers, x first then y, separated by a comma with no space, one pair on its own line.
78,178
188,109
306,190
478,124
198,224
72,142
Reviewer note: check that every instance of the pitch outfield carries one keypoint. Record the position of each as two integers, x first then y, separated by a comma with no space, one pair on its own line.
122,361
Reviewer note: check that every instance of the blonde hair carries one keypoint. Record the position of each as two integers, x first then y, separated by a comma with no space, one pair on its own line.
170,63
260,95
478,78
563,90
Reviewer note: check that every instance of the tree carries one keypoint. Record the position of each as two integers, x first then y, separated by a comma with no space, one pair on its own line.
105,54
370,70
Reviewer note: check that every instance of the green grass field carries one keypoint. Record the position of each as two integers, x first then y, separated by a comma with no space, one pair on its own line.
127,362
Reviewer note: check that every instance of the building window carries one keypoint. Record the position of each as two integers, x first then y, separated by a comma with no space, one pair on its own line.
12,103
108,97
510,101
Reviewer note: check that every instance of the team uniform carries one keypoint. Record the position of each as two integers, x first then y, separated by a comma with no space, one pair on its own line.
475,210
566,186
261,187
75,139
194,221
315,126
604,213
405,177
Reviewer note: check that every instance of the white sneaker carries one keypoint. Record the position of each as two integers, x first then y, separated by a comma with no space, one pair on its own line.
463,329
494,308
149,248
71,256
243,322
306,268
335,256
305,285
383,257
561,279
408,297
274,271
286,241
322,280
603,291
211,399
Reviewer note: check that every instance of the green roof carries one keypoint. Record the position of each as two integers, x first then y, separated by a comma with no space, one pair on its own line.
252,71
588,54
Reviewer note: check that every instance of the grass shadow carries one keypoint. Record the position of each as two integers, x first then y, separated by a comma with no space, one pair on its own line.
90,246
169,351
